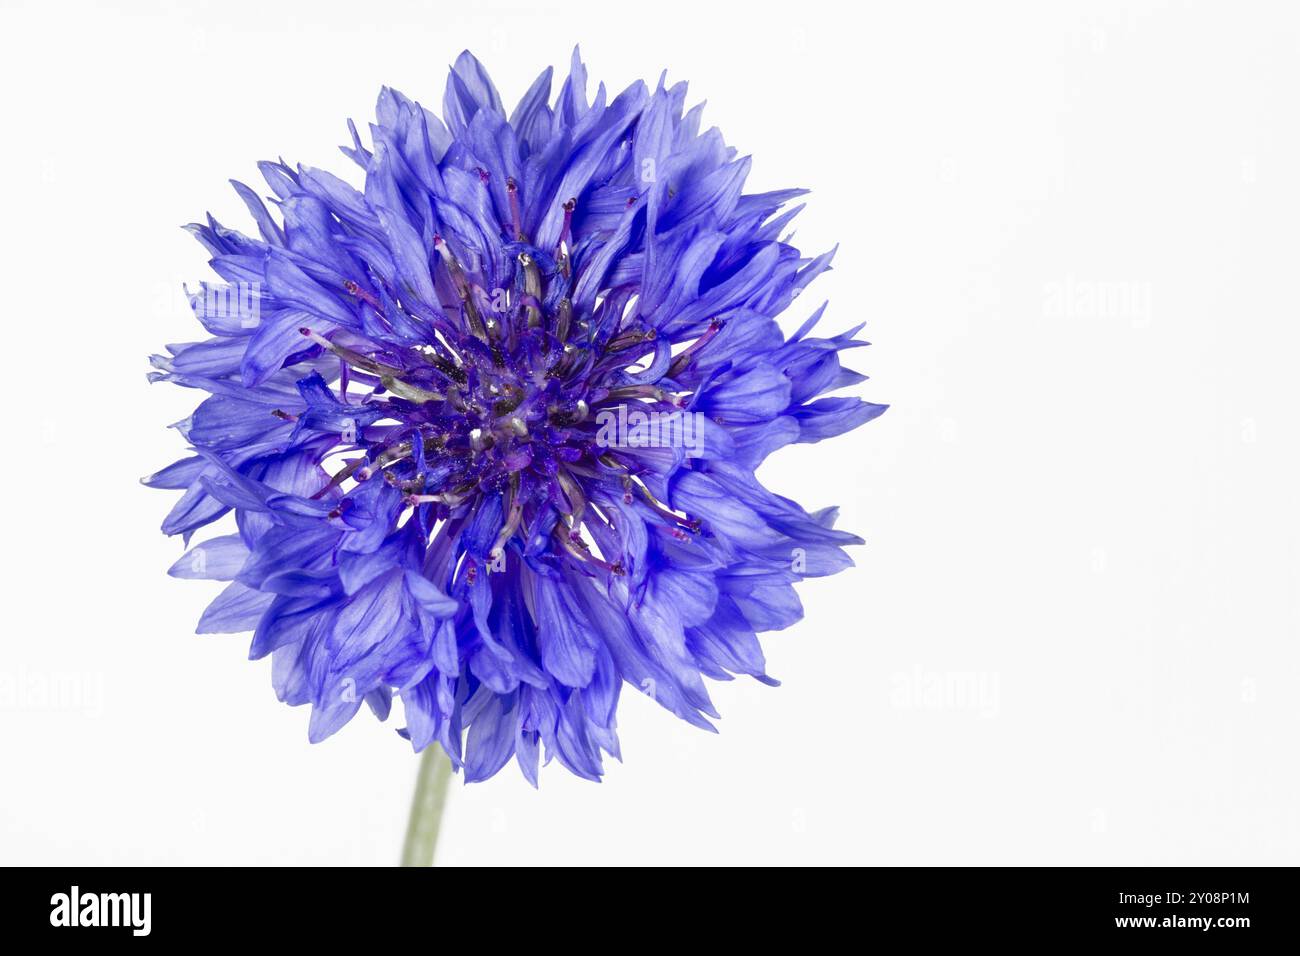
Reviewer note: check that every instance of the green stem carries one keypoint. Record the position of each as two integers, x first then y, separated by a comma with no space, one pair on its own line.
426,807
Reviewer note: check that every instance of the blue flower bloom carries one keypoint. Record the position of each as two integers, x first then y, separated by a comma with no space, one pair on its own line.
489,426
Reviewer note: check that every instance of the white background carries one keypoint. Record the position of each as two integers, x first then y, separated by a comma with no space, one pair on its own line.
1071,639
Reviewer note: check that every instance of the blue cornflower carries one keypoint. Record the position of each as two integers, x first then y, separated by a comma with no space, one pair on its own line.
489,426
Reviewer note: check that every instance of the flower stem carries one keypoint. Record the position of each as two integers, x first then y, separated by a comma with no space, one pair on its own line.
426,807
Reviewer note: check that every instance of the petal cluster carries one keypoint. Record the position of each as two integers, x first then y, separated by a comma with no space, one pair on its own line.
488,426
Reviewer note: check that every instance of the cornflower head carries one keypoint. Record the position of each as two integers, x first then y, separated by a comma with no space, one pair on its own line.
489,425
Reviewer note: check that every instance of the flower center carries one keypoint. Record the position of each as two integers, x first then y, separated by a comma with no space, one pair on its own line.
503,401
